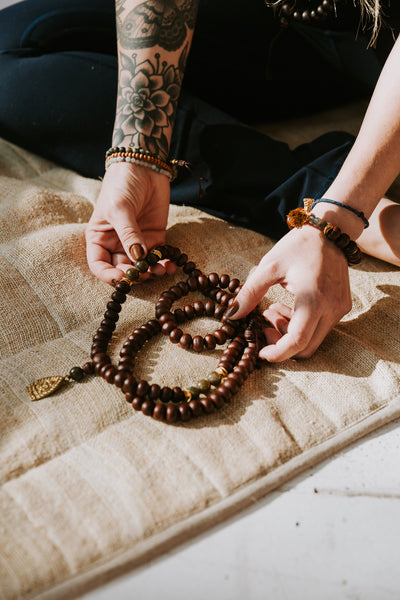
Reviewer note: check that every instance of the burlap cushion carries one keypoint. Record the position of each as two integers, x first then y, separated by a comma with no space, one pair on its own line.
91,488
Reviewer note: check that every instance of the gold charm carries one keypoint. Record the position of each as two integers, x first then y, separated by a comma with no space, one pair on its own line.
307,203
44,387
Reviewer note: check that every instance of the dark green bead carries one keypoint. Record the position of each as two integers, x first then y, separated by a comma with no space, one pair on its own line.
194,391
142,266
132,274
203,385
152,259
214,378
76,373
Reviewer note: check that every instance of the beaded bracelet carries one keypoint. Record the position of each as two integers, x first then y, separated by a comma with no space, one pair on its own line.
142,158
358,213
300,216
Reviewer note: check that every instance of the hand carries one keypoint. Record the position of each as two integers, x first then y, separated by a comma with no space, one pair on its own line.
315,271
132,208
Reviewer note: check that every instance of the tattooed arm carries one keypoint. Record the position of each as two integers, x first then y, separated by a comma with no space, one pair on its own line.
131,213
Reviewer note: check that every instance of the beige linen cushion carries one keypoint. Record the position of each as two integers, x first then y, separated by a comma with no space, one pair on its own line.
89,487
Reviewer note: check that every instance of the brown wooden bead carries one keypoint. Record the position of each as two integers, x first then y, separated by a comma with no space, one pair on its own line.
171,413
233,285
192,284
196,273
128,362
100,337
185,412
88,368
147,408
142,388
123,286
209,308
186,341
189,311
189,266
203,282
166,394
228,329
159,412
213,278
198,343
198,308
167,327
179,316
219,295
241,371
129,398
100,357
105,331
120,377
175,335
220,336
184,287
103,369
146,330
216,399
129,385
108,323
219,312
115,306
154,325
154,391
208,405
137,402
118,296
110,374
182,260
224,392
237,377
112,315
230,385
225,299
178,395
224,280
196,408
176,290
210,341
167,316
213,293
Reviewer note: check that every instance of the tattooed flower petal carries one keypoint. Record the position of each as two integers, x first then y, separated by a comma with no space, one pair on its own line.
140,81
160,98
160,118
156,82
145,125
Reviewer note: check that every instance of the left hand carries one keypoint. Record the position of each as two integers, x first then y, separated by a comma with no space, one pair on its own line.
315,271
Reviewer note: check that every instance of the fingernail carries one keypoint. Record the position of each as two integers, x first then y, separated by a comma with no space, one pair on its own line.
137,251
232,310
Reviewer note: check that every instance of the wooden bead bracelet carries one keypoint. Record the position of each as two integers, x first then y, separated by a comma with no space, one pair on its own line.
167,404
300,216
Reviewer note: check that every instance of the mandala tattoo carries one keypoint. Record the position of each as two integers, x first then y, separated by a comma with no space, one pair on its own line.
157,22
147,101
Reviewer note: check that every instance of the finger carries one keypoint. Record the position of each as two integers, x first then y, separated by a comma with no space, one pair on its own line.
278,315
320,334
272,335
255,288
300,331
99,261
129,233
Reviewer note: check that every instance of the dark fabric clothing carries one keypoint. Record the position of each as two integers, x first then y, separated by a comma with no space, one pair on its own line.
58,84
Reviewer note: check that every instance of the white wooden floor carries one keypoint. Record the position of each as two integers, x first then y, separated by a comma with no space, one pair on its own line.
330,534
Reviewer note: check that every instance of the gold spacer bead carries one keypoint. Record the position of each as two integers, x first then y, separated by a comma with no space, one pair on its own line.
188,395
221,371
127,281
157,253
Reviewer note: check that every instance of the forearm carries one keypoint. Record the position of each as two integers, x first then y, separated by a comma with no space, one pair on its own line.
153,43
374,161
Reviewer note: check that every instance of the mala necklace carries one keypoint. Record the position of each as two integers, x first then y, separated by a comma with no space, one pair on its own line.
304,11
167,404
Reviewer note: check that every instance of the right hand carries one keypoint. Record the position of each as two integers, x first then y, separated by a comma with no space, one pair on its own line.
132,208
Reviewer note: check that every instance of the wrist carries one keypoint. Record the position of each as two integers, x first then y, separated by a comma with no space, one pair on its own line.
347,221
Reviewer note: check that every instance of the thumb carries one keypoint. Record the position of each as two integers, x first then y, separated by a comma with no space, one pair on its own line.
252,292
130,234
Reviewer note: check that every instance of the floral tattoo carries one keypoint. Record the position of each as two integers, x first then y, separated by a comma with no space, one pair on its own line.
147,101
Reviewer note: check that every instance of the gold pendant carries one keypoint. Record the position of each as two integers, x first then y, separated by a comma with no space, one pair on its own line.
44,387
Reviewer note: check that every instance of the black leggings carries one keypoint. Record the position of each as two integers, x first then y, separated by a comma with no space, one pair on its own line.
58,84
